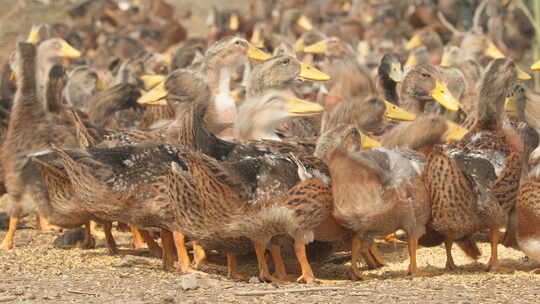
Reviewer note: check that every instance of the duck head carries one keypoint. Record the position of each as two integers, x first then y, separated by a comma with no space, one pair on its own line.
279,73
259,117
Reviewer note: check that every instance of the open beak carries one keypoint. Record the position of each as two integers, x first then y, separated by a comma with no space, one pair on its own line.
396,113
317,48
156,96
510,106
256,54
33,37
234,23
413,43
368,142
522,75
299,107
151,81
442,95
455,132
308,72
69,52
304,23
536,66
396,73
493,52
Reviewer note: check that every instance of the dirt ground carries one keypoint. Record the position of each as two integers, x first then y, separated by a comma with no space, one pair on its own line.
37,273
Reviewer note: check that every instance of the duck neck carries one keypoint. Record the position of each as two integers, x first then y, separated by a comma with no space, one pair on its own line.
44,65
389,89
26,104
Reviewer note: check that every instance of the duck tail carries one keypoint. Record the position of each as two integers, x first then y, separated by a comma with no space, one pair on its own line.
469,247
265,223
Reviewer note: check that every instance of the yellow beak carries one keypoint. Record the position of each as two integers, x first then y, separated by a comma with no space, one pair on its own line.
536,66
346,6
299,45
151,81
156,96
455,131
510,106
304,23
308,72
317,48
256,38
493,52
413,43
446,61
234,22
442,95
396,73
368,142
522,75
235,95
33,37
396,113
100,85
69,52
257,55
412,61
299,107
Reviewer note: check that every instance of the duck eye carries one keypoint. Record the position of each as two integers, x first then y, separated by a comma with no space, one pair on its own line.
426,75
237,42
286,61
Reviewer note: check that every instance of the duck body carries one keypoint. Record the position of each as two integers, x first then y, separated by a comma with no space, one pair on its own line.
528,218
400,200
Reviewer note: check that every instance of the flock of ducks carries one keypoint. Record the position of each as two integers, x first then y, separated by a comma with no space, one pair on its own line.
121,116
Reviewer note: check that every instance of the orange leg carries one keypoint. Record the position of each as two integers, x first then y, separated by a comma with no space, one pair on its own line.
8,243
137,240
183,257
494,264
89,241
199,255
111,244
413,267
264,273
355,252
450,265
153,247
307,273
43,224
279,265
167,242
232,268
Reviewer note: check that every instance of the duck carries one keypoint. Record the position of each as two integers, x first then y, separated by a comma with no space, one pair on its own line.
24,138
369,201
339,58
429,38
426,83
521,232
483,192
389,74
